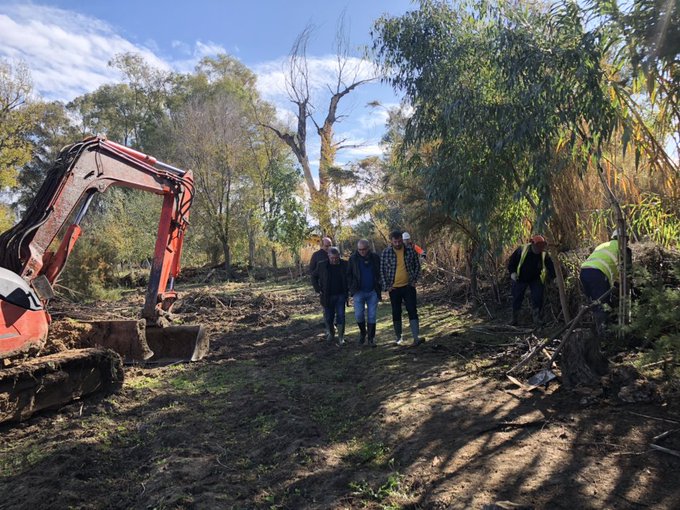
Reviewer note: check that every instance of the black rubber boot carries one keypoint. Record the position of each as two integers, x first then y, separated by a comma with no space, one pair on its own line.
515,318
536,317
415,331
330,332
371,335
362,329
397,332
341,335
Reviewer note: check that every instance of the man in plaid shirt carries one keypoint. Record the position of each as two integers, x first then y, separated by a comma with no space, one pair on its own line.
399,271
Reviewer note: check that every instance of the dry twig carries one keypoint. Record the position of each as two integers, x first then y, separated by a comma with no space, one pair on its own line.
665,450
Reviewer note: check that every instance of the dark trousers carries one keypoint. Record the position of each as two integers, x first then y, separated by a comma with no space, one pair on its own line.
595,285
335,311
408,296
518,290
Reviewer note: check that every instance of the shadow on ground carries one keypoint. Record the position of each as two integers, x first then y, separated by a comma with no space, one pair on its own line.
275,418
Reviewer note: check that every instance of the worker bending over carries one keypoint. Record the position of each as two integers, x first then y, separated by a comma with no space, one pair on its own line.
599,273
530,266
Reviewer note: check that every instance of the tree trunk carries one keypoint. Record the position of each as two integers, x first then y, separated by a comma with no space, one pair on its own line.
561,288
582,362
472,272
274,258
227,258
251,249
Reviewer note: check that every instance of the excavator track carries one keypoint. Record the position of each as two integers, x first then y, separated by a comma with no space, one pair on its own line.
51,381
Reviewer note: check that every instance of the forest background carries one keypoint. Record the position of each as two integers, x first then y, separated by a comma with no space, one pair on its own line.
516,118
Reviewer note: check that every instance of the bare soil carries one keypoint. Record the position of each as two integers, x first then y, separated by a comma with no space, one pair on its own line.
275,418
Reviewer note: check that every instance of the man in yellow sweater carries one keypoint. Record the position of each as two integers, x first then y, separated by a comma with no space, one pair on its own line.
399,271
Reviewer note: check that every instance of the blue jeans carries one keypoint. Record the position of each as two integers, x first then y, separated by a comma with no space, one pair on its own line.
363,299
335,311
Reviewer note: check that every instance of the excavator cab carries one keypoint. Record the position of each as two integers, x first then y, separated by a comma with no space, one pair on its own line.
28,270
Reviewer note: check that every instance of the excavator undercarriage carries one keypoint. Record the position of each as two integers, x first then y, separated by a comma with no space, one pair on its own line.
29,381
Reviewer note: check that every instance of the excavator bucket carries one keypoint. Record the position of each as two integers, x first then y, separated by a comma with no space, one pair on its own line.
177,343
126,337
136,342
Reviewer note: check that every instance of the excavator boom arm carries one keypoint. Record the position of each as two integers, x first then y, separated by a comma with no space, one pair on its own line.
82,170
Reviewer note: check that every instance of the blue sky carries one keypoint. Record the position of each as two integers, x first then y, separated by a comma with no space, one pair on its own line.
67,45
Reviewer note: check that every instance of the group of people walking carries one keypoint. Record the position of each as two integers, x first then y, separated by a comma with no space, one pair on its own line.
364,277
396,271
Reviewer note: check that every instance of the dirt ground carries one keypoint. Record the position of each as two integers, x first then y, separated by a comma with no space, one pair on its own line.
275,418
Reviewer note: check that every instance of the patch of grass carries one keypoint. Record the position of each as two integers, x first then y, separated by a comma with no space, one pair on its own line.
391,487
214,379
264,424
368,452
294,359
333,420
143,382
14,460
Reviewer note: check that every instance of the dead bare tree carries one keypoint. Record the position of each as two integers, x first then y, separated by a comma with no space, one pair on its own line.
347,78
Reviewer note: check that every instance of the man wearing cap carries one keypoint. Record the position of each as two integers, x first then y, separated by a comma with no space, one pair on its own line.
530,266
599,273
399,271
406,237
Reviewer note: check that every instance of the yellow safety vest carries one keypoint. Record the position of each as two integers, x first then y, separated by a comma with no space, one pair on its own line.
605,258
544,271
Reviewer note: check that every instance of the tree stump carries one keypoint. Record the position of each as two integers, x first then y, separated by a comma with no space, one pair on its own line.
582,362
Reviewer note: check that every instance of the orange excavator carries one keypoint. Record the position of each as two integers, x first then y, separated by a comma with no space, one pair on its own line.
28,271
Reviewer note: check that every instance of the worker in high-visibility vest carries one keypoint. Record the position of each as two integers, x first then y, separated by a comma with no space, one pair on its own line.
599,273
530,266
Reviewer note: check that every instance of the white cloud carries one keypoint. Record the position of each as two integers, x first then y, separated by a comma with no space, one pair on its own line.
195,54
68,53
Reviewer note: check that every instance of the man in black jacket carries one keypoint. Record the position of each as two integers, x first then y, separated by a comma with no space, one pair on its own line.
330,281
530,266
320,255
364,285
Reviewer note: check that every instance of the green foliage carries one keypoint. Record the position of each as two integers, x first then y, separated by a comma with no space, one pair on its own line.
90,268
132,113
17,117
498,93
656,314
650,218
246,183
283,213
6,217
645,39
50,133
368,452
120,228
